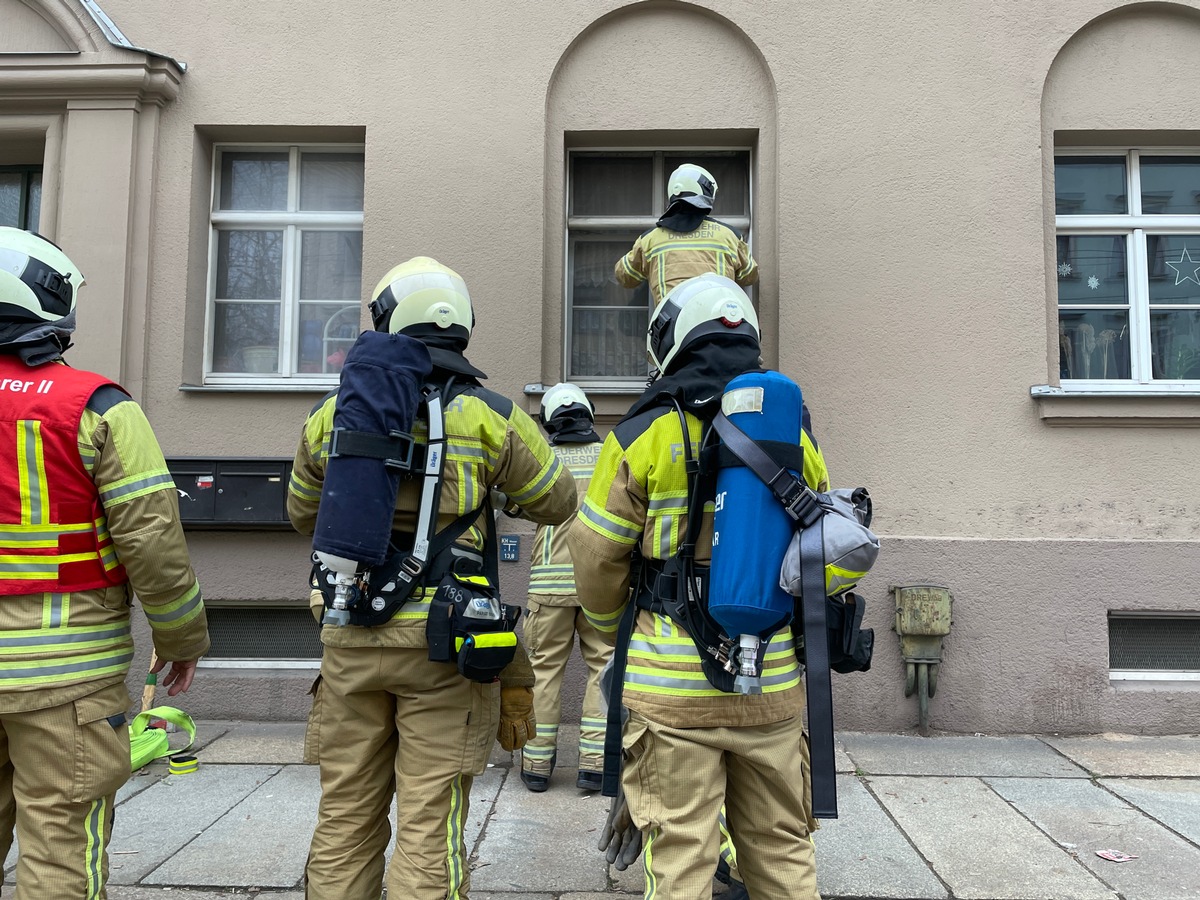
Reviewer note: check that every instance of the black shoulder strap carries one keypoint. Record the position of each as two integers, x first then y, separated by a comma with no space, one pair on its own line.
816,671
797,498
803,507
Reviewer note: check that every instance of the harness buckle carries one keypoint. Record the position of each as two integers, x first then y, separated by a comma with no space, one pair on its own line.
799,500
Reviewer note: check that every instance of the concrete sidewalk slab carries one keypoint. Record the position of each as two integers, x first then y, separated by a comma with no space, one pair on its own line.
256,743
1084,818
863,853
167,893
1175,803
1120,755
540,842
261,841
903,754
979,845
157,823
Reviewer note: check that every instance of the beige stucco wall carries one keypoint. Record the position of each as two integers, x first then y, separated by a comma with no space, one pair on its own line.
904,228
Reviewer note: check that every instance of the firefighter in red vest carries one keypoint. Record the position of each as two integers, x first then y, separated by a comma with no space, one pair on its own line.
88,516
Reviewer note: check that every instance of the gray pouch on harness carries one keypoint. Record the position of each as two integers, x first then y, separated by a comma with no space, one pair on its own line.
469,626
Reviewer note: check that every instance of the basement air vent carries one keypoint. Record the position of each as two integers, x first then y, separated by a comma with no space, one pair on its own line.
267,633
1149,646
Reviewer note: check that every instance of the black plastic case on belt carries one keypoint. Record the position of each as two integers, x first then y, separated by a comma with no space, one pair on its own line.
231,493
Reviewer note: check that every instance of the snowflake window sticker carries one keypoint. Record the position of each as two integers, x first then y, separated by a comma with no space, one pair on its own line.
1093,282
1064,270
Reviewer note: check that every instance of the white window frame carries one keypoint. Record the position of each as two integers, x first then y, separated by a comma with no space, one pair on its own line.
291,223
1135,226
600,224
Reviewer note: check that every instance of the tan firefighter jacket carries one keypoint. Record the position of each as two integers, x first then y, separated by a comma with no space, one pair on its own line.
665,258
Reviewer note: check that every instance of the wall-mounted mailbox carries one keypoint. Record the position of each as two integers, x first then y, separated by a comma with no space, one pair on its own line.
231,493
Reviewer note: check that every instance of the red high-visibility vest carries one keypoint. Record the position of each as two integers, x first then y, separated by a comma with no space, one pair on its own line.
53,533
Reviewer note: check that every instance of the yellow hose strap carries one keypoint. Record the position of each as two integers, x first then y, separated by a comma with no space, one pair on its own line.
147,744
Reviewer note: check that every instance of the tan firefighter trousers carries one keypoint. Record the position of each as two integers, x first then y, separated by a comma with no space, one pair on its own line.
550,637
60,769
386,723
675,780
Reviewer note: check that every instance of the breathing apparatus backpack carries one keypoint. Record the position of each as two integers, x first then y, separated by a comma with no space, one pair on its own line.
362,573
767,524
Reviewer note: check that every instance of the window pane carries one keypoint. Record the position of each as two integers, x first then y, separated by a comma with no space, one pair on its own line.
1091,269
246,337
1174,261
1175,344
331,265
612,186
1090,185
327,331
331,181
249,265
33,212
254,181
732,173
1093,344
10,199
1170,184
608,322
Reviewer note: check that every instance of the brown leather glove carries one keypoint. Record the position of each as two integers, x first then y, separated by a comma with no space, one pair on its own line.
517,724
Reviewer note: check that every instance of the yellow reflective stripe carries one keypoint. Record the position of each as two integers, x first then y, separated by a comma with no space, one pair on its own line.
630,270
604,622
32,537
58,639
302,489
178,612
42,568
646,680
604,523
93,826
77,668
722,249
541,484
750,267
454,838
31,473
136,486
648,864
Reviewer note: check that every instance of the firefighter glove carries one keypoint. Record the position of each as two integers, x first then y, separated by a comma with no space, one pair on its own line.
620,838
517,724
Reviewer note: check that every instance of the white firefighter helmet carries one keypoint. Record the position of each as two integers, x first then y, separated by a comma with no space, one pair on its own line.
564,395
708,304
421,291
694,184
38,283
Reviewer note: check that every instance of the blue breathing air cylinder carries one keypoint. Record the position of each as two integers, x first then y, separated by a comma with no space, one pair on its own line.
751,531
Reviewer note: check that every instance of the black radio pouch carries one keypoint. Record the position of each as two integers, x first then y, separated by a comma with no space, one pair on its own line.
469,626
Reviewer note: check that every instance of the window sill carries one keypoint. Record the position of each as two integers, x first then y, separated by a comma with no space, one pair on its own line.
278,387
1133,407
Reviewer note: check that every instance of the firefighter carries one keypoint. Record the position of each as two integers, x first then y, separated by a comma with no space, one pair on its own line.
387,722
686,241
88,516
554,616
689,746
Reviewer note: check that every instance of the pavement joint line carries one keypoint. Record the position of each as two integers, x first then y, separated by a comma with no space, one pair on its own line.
866,783
1150,816
1066,851
140,881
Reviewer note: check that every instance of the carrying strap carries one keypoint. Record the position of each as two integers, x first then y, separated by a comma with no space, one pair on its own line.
816,671
798,499
616,689
803,507
147,744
